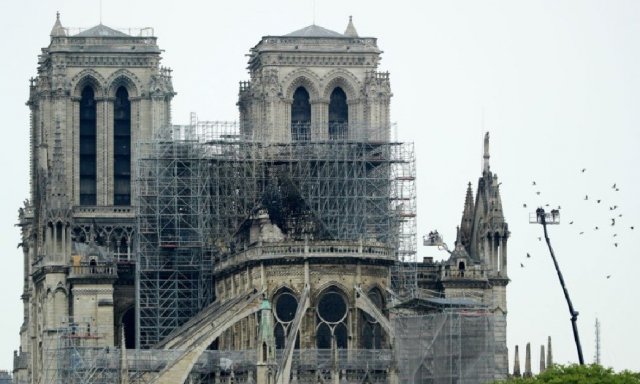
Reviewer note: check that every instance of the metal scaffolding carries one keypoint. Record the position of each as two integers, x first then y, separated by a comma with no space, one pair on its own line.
198,184
453,346
173,221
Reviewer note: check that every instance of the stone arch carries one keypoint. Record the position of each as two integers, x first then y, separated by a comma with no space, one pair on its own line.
60,304
304,78
377,287
88,77
124,78
284,287
335,285
343,79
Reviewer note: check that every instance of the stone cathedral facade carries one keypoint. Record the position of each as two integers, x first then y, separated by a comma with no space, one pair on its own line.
313,258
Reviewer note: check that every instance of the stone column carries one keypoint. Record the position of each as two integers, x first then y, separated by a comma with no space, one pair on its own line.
75,152
101,150
503,260
319,119
136,135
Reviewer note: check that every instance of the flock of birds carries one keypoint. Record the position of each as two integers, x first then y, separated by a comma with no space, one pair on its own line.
614,212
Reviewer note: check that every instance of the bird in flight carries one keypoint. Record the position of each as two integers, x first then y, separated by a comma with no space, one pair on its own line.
521,265
586,197
571,222
583,169
615,234
539,238
528,255
613,221
632,227
533,183
614,186
598,201
538,192
615,244
524,205
582,233
608,276
596,228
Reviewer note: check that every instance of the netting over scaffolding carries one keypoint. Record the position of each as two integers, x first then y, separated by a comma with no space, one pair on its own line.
454,346
198,184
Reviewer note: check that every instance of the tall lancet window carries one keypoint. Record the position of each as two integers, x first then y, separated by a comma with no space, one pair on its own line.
301,115
88,147
338,115
122,148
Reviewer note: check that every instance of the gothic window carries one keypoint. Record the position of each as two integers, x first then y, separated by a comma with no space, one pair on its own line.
88,147
122,148
338,115
371,329
331,318
286,305
301,115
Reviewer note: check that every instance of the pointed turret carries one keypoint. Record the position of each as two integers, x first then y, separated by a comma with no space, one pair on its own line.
527,362
351,30
466,224
489,232
516,364
57,29
485,157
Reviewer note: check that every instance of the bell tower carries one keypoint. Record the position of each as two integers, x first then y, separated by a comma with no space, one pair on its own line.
97,92
315,84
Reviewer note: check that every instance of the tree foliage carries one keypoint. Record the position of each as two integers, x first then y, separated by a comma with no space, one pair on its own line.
579,374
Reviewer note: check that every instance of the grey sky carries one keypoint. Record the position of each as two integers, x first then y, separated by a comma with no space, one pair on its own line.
559,84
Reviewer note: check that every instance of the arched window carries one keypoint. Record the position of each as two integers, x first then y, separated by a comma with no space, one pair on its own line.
88,147
371,330
338,115
122,148
285,307
331,319
301,115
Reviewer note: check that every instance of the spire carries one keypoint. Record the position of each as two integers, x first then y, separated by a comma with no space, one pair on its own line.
516,364
351,30
549,354
527,362
57,29
542,365
466,223
485,166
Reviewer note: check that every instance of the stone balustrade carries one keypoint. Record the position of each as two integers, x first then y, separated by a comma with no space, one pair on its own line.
263,252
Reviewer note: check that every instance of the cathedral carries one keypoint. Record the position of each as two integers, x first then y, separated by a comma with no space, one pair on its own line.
277,249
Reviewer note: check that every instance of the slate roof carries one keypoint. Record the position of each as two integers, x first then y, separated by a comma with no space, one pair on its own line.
101,30
314,31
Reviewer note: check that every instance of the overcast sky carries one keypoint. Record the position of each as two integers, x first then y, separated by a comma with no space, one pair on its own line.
558,84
